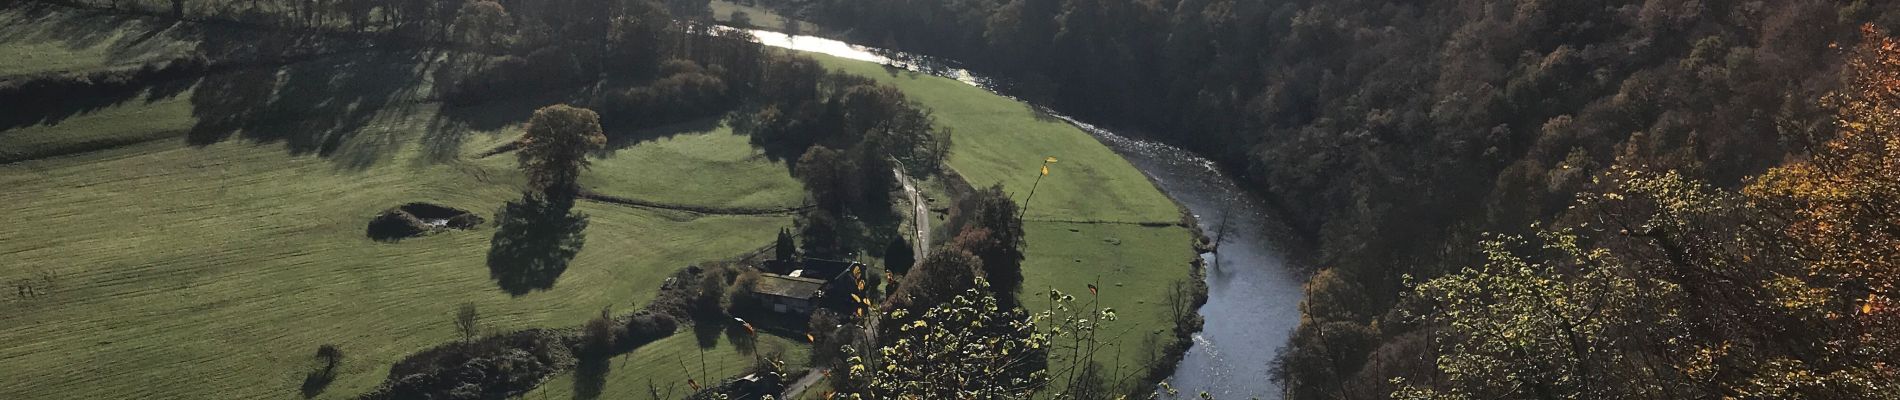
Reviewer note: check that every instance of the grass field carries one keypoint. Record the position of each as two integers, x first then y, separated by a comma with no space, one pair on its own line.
667,363
1134,266
194,266
214,271
697,163
997,139
103,128
54,39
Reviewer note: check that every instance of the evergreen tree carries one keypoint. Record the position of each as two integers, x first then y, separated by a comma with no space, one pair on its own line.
898,255
785,249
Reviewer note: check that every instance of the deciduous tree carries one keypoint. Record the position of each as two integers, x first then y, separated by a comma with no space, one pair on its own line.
823,235
830,178
946,273
482,22
466,321
967,347
554,150
992,230
898,255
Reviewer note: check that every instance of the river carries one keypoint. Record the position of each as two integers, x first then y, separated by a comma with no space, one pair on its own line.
1253,296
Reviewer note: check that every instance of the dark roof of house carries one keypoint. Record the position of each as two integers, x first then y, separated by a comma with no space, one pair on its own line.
788,286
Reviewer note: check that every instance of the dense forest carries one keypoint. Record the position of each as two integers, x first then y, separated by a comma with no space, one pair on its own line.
1415,140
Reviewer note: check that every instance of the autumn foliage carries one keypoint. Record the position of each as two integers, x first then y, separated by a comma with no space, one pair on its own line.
1657,285
1846,197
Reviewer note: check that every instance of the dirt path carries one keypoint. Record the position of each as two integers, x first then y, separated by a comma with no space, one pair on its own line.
920,217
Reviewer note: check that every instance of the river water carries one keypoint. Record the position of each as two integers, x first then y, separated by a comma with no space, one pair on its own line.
1253,296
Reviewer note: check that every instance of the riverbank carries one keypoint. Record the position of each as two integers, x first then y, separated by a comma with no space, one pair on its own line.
1253,292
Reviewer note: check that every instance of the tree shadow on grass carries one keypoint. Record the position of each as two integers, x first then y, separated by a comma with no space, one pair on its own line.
590,376
624,139
744,341
130,69
320,378
534,240
311,107
315,381
706,331
778,146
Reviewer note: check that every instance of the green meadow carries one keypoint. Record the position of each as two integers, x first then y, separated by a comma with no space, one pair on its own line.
56,40
214,270
201,241
701,164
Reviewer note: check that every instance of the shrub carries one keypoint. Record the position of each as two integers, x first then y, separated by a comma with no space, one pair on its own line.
601,335
466,321
739,299
496,366
709,296
646,326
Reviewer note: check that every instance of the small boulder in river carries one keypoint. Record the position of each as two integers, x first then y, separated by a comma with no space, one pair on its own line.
418,219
